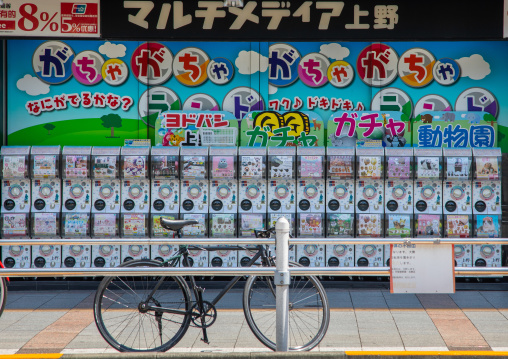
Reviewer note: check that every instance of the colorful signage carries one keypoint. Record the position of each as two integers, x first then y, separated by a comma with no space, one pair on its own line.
274,129
195,128
49,18
389,129
455,129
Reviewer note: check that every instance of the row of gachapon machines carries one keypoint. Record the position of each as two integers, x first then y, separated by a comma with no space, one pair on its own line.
425,180
251,180
45,179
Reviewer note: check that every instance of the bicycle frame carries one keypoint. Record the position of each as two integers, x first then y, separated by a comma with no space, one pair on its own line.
196,290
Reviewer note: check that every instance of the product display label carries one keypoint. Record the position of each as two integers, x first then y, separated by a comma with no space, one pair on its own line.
45,224
428,225
487,168
399,225
14,225
369,225
44,166
487,226
14,166
340,166
105,167
76,224
251,222
135,166
134,225
340,225
76,166
105,225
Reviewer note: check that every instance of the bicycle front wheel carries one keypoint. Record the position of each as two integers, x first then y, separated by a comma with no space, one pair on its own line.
309,312
127,325
3,294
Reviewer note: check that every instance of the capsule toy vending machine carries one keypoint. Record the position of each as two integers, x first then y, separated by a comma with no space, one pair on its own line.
282,183
162,252
340,180
165,184
223,180
310,191
16,183
105,226
457,185
311,225
76,225
194,192
106,202
370,180
197,257
252,196
15,211
77,185
134,225
399,180
487,194
460,226
106,190
396,226
487,185
16,226
46,184
46,205
223,225
291,218
428,181
487,226
248,222
46,226
135,180
340,225
76,199
369,226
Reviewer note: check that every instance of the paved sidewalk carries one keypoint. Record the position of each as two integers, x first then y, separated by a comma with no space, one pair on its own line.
361,320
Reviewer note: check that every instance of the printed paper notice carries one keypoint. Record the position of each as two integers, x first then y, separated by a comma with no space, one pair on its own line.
422,268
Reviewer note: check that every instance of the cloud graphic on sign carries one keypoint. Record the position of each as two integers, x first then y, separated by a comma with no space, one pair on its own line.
32,85
272,89
334,51
113,51
250,62
474,67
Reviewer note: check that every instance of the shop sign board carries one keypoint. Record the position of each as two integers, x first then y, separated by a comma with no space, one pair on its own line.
49,18
276,129
410,271
303,20
455,129
388,129
185,128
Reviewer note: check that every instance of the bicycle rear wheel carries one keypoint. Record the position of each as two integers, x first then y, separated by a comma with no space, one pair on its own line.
124,324
309,312
3,294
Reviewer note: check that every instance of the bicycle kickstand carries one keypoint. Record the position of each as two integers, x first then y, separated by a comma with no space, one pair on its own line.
202,311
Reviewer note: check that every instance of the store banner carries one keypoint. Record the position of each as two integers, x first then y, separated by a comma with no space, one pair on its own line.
196,128
274,129
49,18
455,129
303,20
369,128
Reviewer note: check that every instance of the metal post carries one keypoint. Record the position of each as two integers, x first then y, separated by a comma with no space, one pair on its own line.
282,280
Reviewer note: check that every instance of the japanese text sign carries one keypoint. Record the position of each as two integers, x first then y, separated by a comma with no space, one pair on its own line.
422,268
180,128
273,129
49,18
455,129
386,128
302,20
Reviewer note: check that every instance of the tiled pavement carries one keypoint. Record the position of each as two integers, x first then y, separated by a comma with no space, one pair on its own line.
62,321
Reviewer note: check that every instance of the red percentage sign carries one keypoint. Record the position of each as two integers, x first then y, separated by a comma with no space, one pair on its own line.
29,22
44,16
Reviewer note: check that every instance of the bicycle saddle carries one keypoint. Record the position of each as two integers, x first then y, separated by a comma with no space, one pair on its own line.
176,224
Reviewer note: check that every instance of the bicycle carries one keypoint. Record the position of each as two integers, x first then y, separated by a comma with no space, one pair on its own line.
153,314
3,291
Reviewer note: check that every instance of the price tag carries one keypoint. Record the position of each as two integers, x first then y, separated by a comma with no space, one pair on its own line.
49,18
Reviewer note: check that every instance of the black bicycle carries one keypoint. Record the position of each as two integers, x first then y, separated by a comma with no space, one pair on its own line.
154,313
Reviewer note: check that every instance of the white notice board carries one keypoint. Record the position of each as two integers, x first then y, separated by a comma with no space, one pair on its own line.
422,268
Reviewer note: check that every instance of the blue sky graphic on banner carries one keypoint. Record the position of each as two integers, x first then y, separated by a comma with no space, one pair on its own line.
60,90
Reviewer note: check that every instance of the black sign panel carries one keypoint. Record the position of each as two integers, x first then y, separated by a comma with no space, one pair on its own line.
302,20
